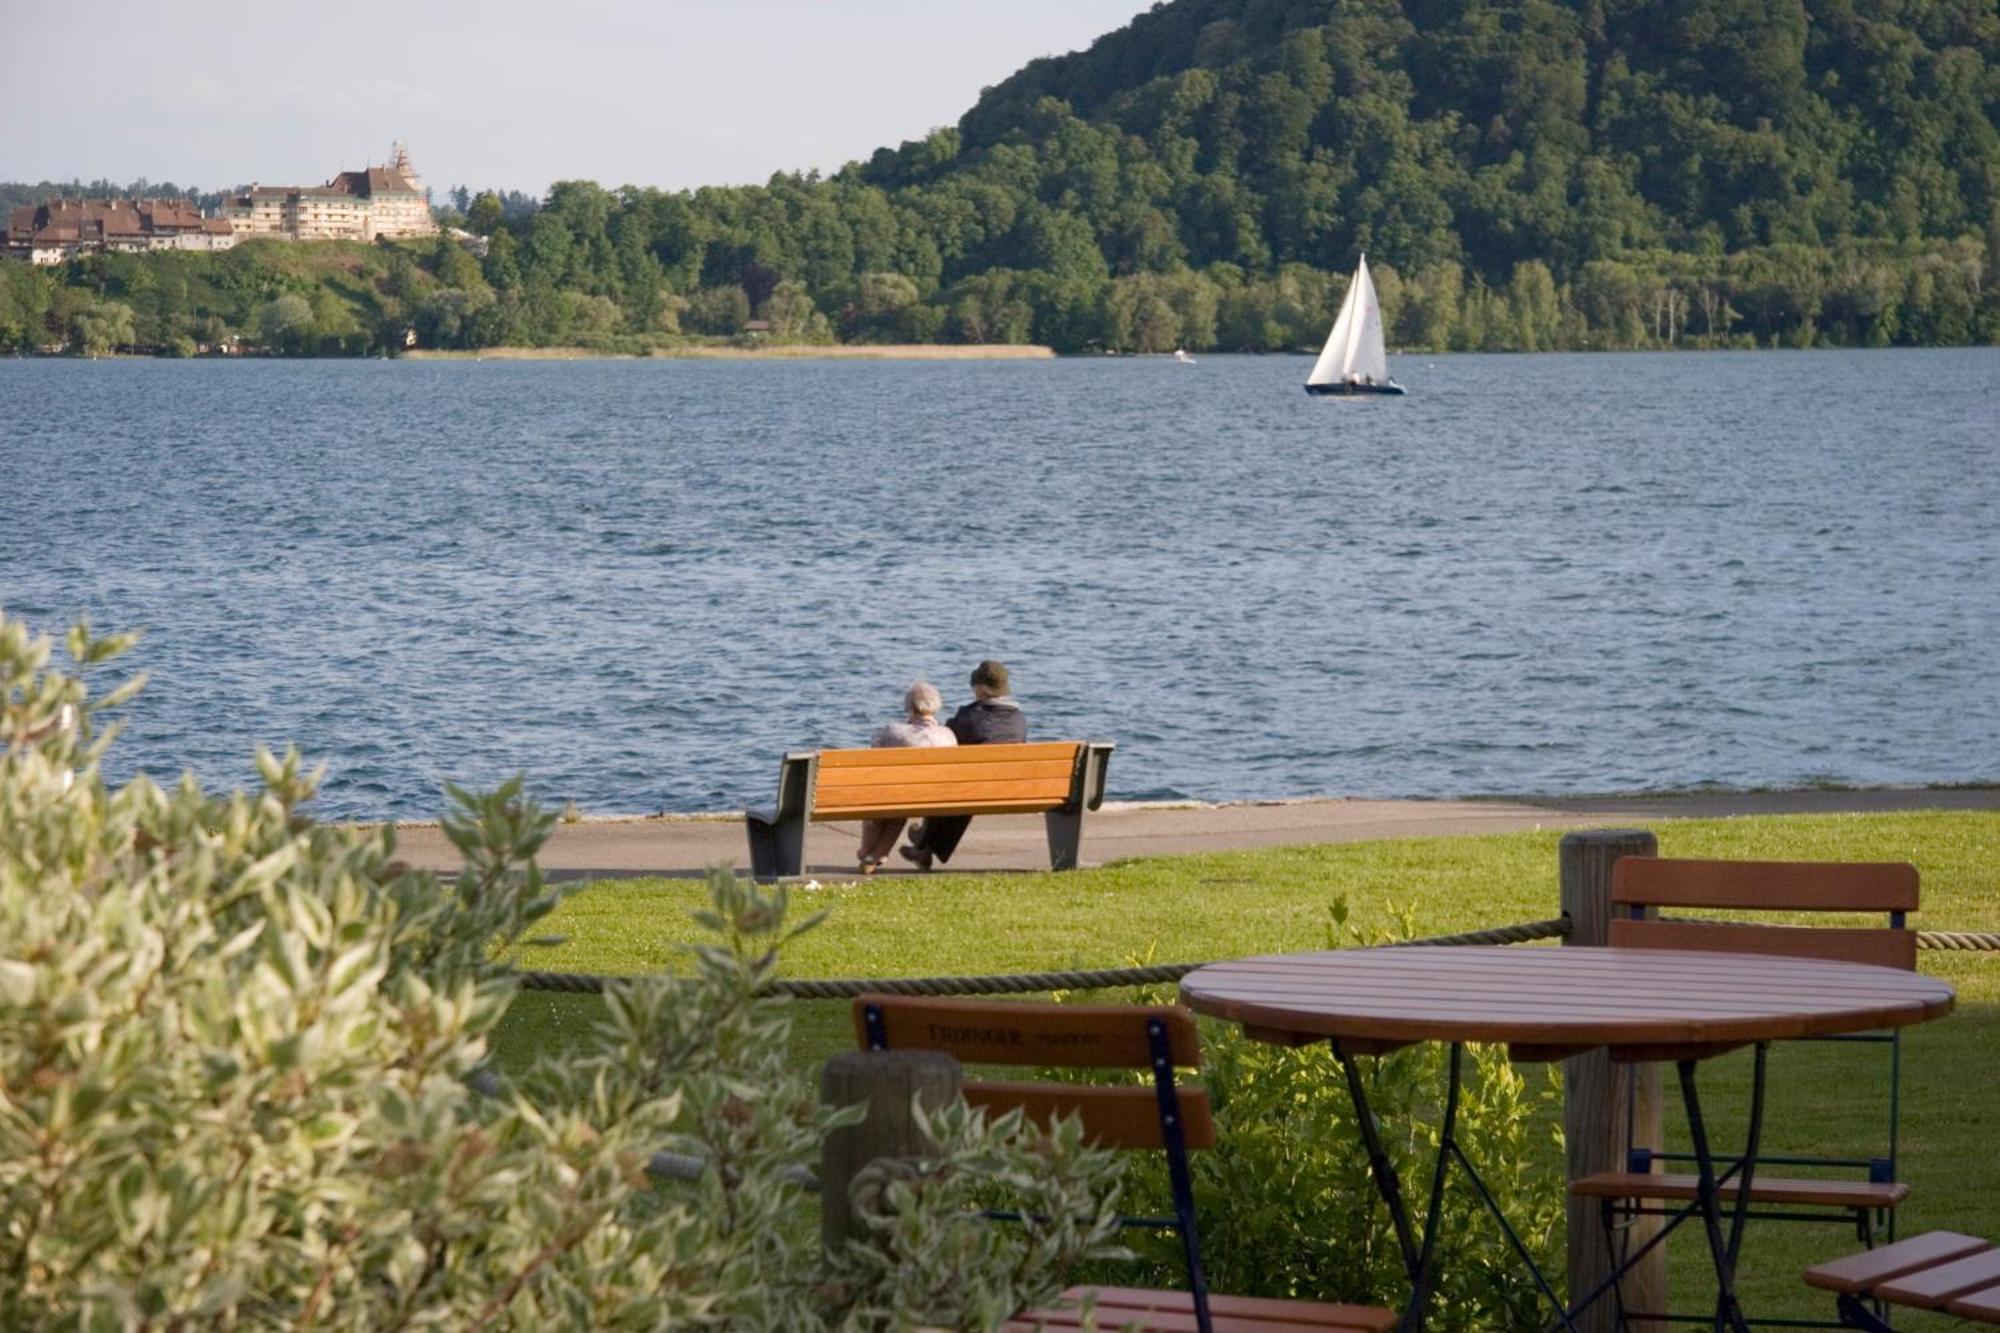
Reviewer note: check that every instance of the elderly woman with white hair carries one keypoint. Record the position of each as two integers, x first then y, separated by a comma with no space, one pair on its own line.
919,729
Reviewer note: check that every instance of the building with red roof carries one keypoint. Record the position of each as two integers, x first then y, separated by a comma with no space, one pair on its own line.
59,230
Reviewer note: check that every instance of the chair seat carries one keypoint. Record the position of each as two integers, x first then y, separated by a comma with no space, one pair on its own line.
1884,1263
1939,1270
1173,1312
1788,1191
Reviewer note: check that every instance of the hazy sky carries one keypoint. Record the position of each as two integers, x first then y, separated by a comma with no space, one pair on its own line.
502,92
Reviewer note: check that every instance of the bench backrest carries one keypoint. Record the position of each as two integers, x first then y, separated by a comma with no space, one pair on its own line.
1640,884
1061,1036
954,780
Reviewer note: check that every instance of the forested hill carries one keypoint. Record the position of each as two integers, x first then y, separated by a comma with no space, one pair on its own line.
1573,173
1252,131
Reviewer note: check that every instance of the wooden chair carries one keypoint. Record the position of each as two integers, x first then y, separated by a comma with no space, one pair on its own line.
1165,1116
1059,780
1640,887
1939,1270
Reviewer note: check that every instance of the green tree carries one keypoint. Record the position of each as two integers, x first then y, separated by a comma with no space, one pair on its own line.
284,325
486,215
883,308
103,327
1537,313
716,310
794,318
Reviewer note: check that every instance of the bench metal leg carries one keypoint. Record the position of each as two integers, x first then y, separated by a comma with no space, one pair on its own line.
777,848
1065,829
1854,1313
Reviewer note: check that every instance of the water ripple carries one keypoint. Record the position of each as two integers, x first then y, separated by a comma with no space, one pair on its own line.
640,582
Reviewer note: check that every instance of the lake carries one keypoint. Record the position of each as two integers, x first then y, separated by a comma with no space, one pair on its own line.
641,581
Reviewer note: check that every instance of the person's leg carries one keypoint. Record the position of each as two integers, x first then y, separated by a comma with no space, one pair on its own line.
941,835
878,838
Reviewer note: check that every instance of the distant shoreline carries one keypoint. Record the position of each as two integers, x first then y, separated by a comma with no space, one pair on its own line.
775,351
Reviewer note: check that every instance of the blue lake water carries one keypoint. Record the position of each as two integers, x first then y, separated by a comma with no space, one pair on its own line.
641,581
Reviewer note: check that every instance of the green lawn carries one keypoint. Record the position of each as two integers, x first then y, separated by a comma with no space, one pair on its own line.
1198,908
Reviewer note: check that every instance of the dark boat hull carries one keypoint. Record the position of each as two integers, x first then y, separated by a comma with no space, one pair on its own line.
1355,390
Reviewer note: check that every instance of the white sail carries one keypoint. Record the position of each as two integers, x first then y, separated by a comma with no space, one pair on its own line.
1355,349
1332,364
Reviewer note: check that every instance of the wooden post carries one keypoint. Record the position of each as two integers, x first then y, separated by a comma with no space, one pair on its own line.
1598,1096
888,1083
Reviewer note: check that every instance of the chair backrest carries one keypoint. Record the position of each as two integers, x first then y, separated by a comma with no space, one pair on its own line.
1642,884
953,780
1157,1038
1060,1036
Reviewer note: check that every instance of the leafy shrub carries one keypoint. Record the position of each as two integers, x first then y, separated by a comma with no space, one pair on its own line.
1286,1202
243,1085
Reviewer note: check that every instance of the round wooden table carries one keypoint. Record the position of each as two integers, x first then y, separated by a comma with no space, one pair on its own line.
1550,1003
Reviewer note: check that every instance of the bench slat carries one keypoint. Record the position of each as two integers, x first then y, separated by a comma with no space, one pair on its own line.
1764,1189
1859,1272
1116,1305
1841,944
1932,1287
1112,1117
1875,1265
1012,1032
1799,886
1981,1307
1169,1321
892,775
917,797
907,811
949,754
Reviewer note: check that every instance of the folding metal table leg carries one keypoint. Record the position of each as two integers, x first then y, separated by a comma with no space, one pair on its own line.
1420,1284
1563,1317
1379,1165
1728,1313
1748,1163
1417,1260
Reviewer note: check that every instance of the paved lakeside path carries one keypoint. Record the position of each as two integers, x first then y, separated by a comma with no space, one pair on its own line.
686,844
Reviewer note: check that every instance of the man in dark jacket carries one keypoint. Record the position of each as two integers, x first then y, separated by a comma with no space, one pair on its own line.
992,718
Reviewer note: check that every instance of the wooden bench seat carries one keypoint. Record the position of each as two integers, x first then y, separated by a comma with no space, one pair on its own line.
1059,780
1939,1270
1173,1312
1796,1192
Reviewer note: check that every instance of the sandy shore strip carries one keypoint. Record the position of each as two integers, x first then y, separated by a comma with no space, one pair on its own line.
687,844
760,352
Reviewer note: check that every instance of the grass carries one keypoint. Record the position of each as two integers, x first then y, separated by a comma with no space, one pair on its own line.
1825,1099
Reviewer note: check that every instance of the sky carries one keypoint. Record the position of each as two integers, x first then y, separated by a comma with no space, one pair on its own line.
503,93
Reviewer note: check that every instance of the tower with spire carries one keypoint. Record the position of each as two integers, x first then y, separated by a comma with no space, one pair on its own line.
399,162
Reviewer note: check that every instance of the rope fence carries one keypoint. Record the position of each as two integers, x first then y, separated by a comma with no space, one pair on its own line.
1016,983
1019,983
1974,940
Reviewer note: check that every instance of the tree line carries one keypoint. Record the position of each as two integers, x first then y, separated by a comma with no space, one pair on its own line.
1525,175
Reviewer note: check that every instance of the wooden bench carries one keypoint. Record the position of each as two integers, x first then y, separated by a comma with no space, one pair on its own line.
1059,780
1162,1116
1939,1270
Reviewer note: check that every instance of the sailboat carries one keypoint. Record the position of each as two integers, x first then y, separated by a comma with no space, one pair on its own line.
1354,361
